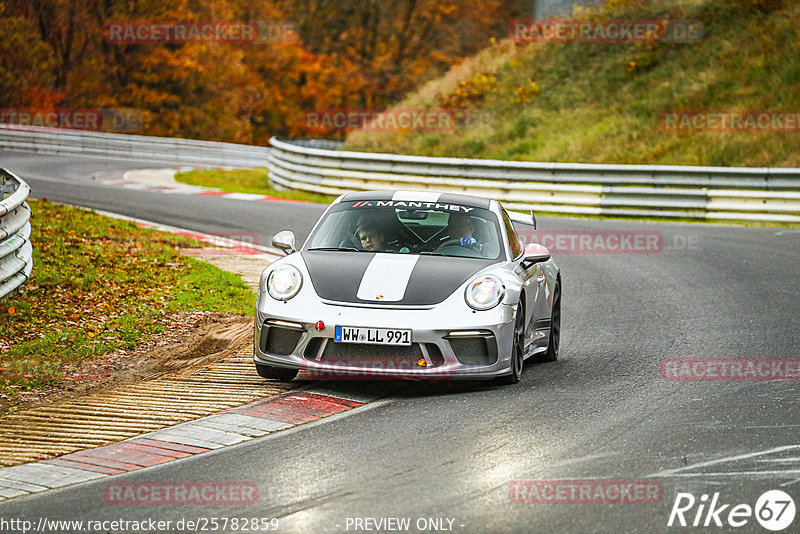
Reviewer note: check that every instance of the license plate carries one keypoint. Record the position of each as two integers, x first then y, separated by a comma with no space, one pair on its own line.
372,336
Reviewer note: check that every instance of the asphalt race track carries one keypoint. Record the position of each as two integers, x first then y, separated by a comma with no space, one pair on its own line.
451,451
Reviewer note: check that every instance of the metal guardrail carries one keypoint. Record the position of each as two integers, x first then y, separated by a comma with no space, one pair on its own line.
16,252
131,147
719,193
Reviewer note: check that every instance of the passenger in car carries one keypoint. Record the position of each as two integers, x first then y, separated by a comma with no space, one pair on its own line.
374,238
371,236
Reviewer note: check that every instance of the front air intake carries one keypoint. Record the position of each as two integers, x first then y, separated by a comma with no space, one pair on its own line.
277,340
476,350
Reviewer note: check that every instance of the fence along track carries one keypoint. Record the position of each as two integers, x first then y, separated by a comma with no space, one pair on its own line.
16,252
722,193
717,193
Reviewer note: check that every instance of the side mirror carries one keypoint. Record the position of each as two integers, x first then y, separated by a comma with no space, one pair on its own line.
535,253
284,241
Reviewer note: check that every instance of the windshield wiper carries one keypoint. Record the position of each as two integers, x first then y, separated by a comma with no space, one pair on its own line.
342,249
426,253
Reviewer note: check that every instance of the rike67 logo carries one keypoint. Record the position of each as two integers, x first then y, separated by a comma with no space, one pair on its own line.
774,510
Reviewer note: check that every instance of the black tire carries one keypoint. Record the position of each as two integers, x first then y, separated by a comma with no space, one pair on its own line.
517,349
276,373
554,341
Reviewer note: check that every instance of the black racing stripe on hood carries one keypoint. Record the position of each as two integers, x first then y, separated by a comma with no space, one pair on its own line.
434,278
337,276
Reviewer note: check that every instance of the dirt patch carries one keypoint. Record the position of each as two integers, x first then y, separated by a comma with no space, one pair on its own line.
216,338
192,341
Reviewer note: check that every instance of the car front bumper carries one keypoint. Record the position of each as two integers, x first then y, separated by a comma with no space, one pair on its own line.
451,340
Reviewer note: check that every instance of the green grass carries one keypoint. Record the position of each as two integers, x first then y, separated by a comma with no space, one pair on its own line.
254,181
99,285
602,102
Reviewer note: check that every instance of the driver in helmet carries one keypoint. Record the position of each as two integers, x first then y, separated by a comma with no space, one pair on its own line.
461,228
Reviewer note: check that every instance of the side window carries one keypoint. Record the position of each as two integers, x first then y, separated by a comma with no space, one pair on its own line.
513,238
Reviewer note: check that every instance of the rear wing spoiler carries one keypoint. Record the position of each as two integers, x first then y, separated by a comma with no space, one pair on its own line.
522,218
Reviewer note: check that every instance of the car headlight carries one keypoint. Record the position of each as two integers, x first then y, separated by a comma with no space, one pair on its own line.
484,292
284,282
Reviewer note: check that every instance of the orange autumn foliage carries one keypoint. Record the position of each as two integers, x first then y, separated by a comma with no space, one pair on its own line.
345,54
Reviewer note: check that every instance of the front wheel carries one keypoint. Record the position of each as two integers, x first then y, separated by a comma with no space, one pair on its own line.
554,341
516,349
276,373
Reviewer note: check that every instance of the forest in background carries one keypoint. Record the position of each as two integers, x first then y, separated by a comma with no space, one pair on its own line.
355,54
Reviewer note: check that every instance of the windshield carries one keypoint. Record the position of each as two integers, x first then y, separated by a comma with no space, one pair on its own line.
399,227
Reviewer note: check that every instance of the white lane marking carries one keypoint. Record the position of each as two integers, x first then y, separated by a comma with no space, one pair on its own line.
242,196
734,473
748,427
674,472
176,191
795,481
417,196
386,277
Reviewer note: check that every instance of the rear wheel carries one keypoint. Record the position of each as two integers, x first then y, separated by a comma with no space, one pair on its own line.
276,373
554,341
517,349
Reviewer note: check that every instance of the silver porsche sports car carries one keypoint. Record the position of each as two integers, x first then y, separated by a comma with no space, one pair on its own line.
408,285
